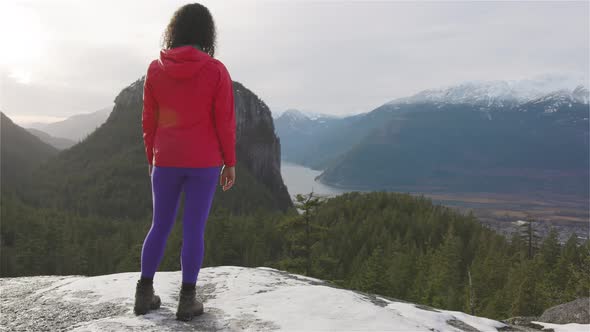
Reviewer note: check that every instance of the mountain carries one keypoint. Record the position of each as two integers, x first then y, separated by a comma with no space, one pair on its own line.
106,174
504,160
540,145
299,132
557,100
307,143
310,115
318,143
234,298
76,127
57,142
495,93
21,152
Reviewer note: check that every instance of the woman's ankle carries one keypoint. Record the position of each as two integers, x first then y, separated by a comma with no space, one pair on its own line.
188,285
146,280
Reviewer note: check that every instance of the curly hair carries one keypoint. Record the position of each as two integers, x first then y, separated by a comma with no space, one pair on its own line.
191,24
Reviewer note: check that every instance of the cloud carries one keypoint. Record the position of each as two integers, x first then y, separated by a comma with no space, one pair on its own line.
334,57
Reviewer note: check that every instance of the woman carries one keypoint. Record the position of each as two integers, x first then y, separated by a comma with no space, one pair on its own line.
189,126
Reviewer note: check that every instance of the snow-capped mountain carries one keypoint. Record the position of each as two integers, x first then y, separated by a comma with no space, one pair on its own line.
293,115
298,130
561,99
293,120
296,114
234,298
498,93
581,94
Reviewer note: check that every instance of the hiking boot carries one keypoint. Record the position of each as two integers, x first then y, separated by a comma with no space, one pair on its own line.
145,298
188,306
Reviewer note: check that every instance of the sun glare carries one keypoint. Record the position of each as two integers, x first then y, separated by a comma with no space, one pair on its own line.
21,30
22,76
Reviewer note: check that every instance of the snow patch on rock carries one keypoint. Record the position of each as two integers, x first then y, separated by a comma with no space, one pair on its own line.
235,298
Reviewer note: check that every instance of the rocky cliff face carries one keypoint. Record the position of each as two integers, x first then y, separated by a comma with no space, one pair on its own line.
258,146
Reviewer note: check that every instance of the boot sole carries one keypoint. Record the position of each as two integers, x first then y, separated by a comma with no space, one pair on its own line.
188,317
157,304
143,311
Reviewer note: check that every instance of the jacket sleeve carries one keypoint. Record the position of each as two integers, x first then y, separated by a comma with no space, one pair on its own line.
149,118
225,116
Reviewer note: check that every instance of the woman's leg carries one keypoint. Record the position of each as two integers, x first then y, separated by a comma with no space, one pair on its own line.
199,190
167,185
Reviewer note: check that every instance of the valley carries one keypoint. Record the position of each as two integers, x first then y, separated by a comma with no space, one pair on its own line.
567,214
504,150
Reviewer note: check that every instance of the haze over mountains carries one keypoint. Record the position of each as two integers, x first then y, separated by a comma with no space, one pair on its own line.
57,142
74,128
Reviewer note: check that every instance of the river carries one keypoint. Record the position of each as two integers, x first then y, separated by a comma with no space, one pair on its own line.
300,180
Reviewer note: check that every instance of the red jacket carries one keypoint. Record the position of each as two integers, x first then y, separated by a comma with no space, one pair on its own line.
188,116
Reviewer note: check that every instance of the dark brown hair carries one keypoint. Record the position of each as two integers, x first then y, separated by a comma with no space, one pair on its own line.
191,24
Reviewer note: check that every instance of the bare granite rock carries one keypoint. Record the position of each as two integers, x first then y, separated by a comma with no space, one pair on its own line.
235,299
577,311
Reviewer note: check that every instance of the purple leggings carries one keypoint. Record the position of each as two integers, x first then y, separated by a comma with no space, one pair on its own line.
199,188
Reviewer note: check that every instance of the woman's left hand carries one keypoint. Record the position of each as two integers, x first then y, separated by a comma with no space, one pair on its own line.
227,177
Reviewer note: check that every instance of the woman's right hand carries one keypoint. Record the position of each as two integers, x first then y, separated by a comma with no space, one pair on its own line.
228,177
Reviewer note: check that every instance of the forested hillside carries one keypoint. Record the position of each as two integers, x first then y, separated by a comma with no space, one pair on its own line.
385,243
21,152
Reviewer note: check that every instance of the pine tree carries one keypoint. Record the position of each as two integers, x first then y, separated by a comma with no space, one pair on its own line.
527,299
530,237
552,283
302,232
446,278
581,272
308,204
550,249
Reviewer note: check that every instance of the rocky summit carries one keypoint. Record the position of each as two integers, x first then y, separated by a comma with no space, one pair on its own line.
235,299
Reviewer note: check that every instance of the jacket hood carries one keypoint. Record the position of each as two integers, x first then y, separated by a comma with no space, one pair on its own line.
182,62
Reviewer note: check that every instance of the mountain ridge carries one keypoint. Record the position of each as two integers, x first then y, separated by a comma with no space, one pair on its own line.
298,114
21,153
493,93
57,142
75,127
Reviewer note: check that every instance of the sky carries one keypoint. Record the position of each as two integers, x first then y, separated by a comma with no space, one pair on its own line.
66,57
